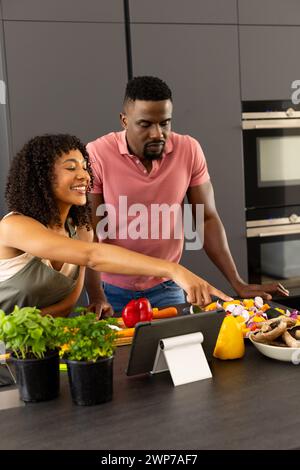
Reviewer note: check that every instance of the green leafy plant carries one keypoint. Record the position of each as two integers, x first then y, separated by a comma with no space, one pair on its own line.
84,338
27,333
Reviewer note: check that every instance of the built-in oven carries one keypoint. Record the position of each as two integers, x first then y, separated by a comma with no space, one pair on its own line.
273,245
271,140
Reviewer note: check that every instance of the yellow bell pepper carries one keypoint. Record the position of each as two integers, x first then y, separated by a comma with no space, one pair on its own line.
245,330
239,319
210,307
248,303
258,318
230,342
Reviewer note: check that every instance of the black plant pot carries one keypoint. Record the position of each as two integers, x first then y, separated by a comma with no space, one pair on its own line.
38,379
91,383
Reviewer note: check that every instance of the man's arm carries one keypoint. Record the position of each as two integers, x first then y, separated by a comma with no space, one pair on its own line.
216,245
97,299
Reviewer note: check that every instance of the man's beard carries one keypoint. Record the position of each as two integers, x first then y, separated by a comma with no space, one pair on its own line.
150,155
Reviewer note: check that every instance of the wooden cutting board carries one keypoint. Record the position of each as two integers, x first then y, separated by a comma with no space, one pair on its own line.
123,341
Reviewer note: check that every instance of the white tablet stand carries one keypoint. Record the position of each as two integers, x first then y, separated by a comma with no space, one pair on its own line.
184,357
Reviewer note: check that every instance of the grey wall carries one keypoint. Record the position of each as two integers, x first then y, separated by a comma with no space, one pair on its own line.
70,83
63,10
269,61
269,48
269,12
191,11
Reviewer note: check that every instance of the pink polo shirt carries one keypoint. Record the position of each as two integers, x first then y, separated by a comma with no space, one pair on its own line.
124,182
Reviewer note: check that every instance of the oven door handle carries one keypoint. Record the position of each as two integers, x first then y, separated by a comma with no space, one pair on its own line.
276,124
259,232
284,125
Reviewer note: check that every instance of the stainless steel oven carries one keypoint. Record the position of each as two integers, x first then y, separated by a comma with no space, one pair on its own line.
273,243
271,139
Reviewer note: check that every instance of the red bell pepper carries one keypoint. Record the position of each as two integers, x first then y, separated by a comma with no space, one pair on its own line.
136,311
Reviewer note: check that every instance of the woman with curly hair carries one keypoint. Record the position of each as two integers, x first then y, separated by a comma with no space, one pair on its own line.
46,238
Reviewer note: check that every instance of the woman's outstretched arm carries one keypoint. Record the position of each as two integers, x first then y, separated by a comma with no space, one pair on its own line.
29,235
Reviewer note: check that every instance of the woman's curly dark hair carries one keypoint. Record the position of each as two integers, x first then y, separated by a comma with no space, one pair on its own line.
31,175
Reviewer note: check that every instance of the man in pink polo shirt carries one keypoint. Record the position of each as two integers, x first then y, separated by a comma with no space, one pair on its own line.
142,175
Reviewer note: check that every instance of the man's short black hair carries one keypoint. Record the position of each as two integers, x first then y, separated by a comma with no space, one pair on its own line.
147,88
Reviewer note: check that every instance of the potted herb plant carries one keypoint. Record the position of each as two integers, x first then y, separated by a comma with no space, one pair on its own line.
88,345
32,341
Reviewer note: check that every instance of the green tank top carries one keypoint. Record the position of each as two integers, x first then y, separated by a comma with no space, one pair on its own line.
36,285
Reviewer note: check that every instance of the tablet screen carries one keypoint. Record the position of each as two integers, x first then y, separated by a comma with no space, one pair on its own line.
5,376
148,334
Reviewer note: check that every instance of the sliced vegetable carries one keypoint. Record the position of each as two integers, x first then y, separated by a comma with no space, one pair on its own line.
258,302
126,332
120,322
211,307
164,312
235,302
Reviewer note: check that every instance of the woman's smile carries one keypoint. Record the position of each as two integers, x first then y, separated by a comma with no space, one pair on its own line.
81,189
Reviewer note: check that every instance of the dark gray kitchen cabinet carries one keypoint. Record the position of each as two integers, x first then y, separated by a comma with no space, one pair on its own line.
269,12
64,77
269,61
189,11
206,96
64,10
4,129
